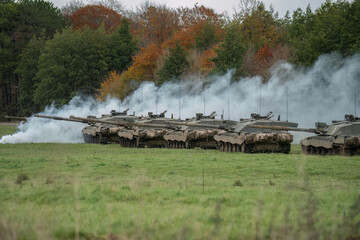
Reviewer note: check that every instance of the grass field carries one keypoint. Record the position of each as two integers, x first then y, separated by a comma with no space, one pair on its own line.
84,191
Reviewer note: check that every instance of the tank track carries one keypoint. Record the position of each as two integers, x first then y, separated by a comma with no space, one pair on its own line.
254,148
337,150
178,144
124,142
91,139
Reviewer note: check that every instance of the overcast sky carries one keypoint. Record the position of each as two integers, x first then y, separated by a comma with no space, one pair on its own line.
280,6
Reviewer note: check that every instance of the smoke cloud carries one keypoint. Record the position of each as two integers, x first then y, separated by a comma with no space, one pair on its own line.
323,92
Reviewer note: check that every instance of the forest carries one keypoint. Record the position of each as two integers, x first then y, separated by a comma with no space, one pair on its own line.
49,55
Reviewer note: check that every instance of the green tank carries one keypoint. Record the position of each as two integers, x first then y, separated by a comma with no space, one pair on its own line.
197,132
244,137
339,138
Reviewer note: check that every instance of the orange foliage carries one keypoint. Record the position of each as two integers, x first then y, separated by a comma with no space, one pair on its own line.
264,54
110,86
185,37
95,15
192,16
206,64
266,57
145,63
155,24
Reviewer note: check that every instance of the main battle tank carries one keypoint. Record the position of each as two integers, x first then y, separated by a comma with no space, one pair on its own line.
339,138
105,132
148,132
243,137
197,132
101,130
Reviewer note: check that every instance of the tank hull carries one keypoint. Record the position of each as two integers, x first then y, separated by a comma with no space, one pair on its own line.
150,138
101,134
192,138
274,142
331,145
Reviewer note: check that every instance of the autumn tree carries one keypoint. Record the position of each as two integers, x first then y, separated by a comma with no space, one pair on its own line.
111,86
154,23
192,16
95,15
145,63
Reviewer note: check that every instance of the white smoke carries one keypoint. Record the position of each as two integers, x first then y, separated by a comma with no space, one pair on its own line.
323,92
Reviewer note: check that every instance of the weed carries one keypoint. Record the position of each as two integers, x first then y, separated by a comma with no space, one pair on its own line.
238,183
22,177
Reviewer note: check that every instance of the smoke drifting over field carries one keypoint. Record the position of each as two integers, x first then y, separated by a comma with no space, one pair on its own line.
323,92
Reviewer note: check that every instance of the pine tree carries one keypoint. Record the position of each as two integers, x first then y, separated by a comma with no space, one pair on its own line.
174,65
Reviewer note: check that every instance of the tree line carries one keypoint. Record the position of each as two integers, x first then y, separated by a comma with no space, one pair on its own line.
48,55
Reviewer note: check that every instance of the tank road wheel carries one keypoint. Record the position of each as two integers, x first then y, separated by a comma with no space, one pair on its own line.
322,151
218,145
305,149
246,148
221,146
229,146
346,151
285,148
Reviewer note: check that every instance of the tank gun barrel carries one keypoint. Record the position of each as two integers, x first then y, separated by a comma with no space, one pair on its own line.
194,124
129,124
16,118
60,118
310,130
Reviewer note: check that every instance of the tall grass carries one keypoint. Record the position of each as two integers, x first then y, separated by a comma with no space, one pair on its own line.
83,191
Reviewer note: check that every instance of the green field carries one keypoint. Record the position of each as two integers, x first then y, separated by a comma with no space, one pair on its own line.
84,191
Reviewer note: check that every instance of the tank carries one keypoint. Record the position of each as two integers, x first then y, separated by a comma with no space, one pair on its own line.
243,137
339,138
106,132
148,132
101,130
197,132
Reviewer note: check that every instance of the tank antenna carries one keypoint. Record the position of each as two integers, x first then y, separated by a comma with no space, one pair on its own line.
179,102
141,105
260,100
228,98
287,102
355,94
204,96
156,100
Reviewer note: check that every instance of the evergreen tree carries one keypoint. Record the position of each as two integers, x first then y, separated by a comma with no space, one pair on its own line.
74,62
206,37
174,65
27,69
230,51
122,47
19,22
